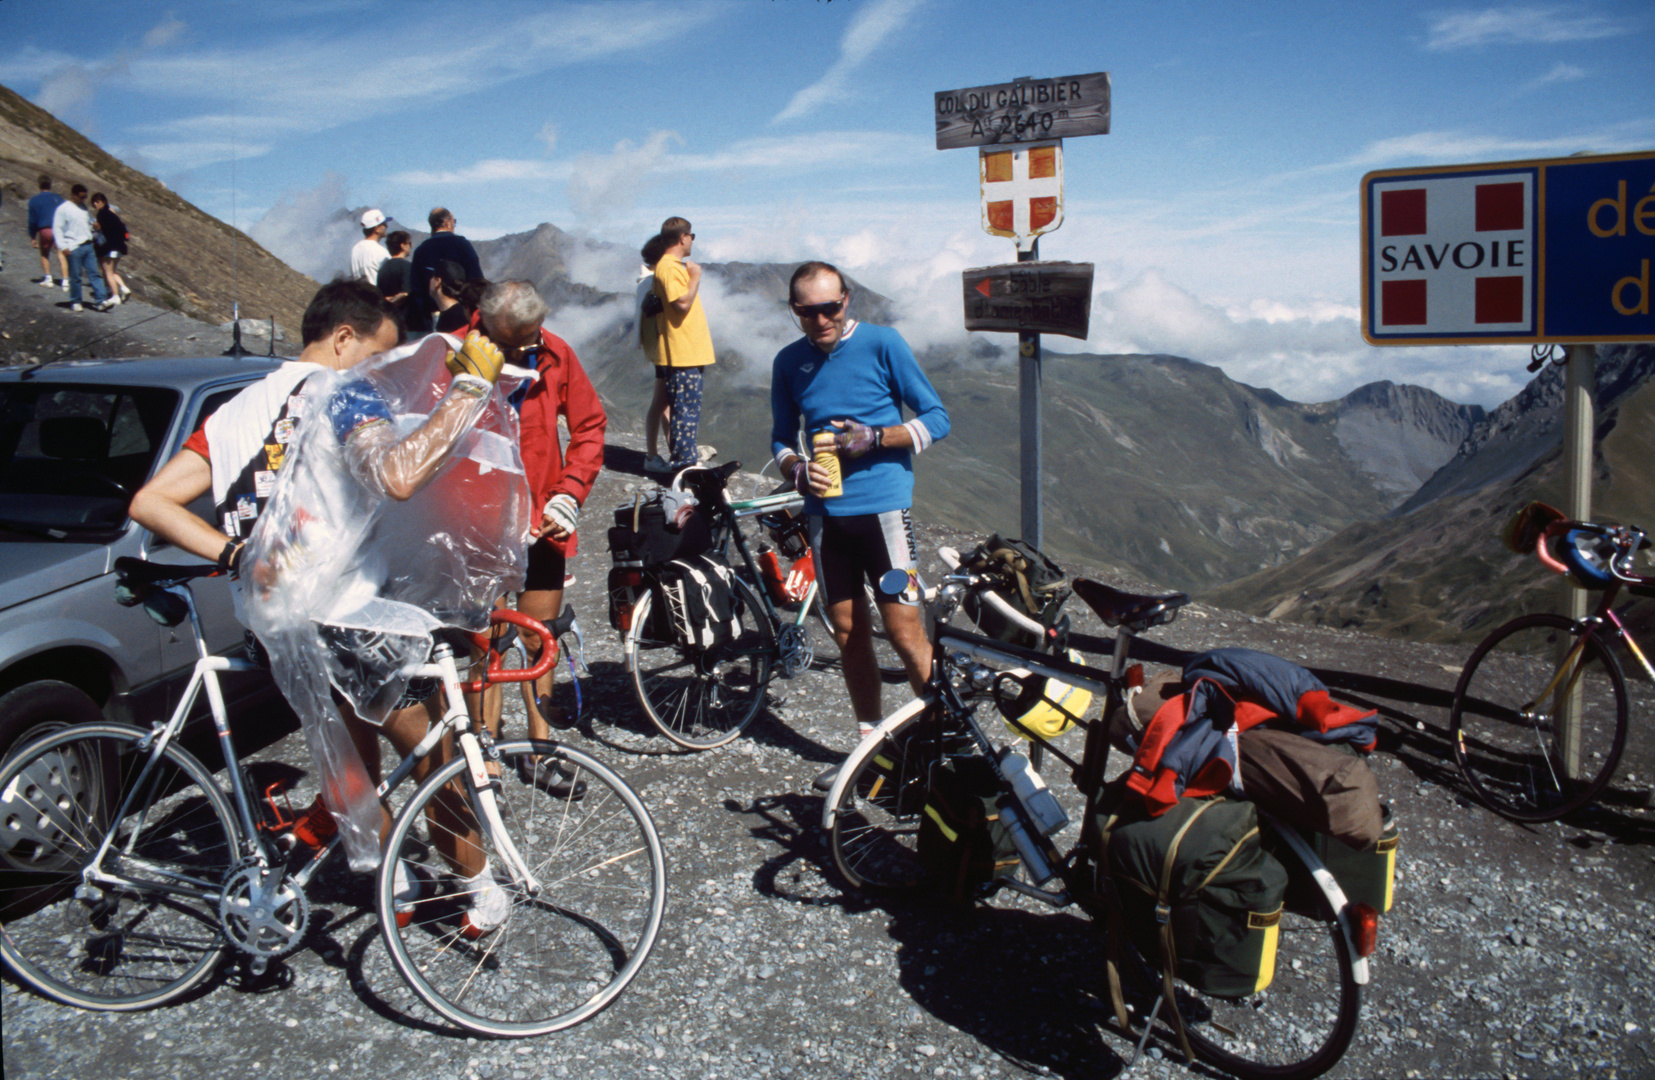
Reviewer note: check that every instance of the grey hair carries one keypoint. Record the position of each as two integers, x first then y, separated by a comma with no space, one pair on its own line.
512,303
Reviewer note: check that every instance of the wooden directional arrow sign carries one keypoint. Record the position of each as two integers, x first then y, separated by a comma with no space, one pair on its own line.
1030,297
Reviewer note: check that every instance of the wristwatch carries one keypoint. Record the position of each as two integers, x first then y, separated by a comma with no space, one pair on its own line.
879,438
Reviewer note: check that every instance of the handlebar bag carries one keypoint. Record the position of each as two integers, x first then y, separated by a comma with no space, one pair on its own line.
1025,578
1198,881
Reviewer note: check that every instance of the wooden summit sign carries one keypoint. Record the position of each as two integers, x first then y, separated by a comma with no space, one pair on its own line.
1029,297
1024,110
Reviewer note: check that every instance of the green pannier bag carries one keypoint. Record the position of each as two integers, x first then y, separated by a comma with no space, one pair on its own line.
1198,881
962,844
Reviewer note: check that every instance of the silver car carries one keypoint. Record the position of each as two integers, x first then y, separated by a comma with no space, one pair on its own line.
77,439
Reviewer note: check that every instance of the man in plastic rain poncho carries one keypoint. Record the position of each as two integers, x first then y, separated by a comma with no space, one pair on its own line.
366,498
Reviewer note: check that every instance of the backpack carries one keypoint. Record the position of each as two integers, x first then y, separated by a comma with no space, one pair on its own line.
1199,882
1025,578
962,844
698,597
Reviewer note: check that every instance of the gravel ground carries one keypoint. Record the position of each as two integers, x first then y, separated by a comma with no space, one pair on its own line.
1512,951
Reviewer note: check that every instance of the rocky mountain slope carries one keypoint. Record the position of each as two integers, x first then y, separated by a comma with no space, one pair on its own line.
1434,569
181,258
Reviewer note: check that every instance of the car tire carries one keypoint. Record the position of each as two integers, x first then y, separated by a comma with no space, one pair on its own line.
38,708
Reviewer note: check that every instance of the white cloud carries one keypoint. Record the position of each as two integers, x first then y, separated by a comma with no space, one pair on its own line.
297,82
548,136
1528,25
603,186
1559,73
1454,146
488,171
310,229
869,28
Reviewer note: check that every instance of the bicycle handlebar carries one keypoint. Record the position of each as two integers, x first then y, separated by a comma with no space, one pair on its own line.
993,599
1627,539
494,673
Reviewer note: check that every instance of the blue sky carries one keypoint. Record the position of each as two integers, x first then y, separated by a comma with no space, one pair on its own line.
1221,211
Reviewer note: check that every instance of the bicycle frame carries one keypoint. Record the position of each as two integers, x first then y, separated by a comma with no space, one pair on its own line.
252,843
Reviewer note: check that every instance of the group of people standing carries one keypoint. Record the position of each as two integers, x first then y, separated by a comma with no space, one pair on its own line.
435,286
89,238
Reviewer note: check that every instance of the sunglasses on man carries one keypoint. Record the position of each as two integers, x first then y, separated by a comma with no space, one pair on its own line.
825,311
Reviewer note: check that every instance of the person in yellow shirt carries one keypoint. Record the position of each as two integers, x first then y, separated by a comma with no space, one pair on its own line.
684,345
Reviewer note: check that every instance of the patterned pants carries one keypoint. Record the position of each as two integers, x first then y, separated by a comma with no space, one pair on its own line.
684,388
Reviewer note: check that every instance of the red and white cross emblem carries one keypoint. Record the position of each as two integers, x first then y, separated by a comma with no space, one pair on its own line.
1022,190
1454,254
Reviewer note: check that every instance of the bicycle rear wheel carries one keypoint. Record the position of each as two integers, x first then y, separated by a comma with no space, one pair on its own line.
876,816
148,931
1507,709
701,698
1296,1028
561,955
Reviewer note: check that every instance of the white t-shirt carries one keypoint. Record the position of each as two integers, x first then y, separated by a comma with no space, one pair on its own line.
365,259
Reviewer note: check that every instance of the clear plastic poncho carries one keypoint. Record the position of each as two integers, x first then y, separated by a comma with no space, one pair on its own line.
345,581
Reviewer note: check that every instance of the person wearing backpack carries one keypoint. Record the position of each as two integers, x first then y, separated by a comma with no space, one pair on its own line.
848,382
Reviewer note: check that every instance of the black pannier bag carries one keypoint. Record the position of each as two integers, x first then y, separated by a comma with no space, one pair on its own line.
1031,583
1198,880
655,528
962,843
697,595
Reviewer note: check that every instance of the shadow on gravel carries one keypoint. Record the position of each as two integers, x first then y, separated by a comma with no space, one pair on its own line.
802,870
1027,985
614,719
624,460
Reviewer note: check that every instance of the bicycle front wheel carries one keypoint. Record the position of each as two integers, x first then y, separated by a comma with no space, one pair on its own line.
142,928
881,795
556,956
701,698
1296,1028
1508,715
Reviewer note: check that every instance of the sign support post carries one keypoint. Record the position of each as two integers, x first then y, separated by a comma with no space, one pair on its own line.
1029,382
1025,122
1579,428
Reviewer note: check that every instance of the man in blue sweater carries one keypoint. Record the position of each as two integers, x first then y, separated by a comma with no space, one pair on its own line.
852,380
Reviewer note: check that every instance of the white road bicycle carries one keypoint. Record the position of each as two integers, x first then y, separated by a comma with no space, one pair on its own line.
127,874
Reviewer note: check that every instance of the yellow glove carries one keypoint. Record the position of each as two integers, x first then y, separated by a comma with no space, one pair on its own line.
478,356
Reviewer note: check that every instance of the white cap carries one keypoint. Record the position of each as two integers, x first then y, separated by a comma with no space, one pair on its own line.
372,219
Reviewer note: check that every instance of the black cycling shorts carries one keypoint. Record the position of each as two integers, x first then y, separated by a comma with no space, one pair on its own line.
862,548
547,568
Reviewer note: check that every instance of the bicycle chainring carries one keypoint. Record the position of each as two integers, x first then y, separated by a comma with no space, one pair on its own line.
261,911
794,649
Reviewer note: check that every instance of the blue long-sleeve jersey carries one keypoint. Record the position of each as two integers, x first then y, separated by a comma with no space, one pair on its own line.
870,375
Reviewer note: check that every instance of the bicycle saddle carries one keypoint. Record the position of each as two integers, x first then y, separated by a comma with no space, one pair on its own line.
1135,612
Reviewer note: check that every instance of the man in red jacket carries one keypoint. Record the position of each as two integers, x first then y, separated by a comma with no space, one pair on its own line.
510,314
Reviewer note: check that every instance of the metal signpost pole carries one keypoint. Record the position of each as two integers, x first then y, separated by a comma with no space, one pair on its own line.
1579,427
1029,393
1020,127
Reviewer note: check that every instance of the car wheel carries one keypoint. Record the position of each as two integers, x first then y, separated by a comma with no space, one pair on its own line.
38,708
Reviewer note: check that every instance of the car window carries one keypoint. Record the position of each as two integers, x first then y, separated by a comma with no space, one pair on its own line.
71,455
